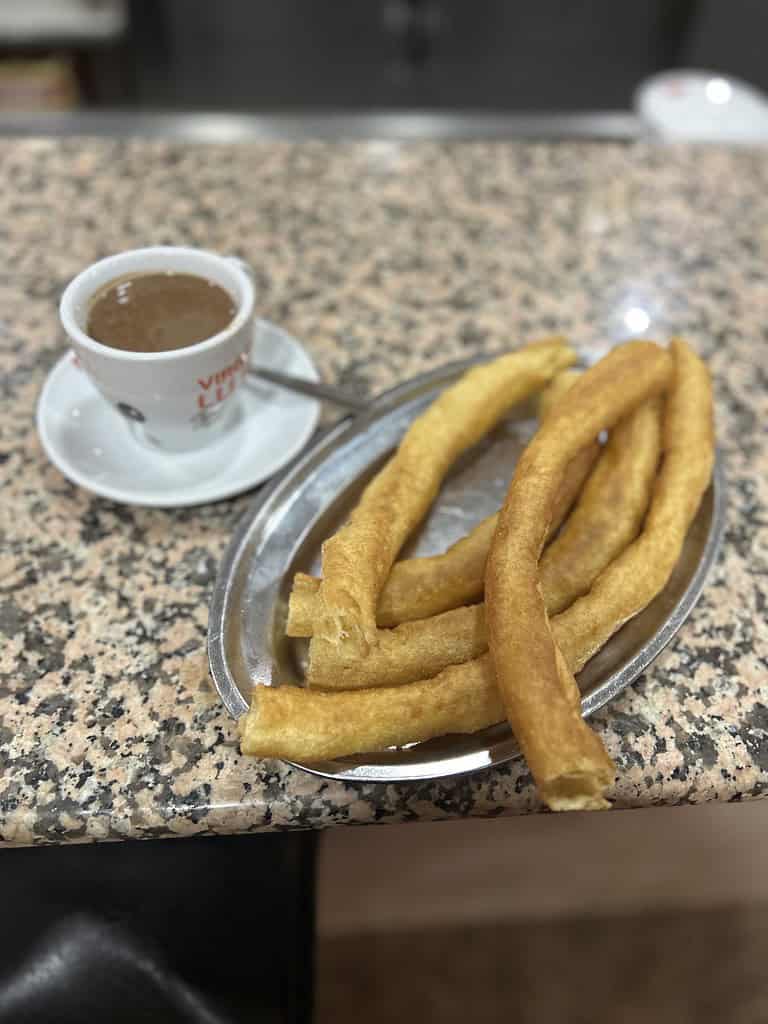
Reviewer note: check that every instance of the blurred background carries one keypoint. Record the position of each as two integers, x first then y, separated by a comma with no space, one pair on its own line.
300,55
655,915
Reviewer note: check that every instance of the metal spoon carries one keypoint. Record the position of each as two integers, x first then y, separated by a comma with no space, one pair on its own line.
313,388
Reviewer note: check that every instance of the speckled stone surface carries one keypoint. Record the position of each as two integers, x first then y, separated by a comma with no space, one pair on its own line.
388,259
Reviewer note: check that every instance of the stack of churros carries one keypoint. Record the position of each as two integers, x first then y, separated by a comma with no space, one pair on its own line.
496,627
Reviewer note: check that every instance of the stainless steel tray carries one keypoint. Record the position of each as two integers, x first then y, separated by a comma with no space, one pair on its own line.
282,532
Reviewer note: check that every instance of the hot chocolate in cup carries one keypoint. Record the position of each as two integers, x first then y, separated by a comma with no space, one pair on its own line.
152,309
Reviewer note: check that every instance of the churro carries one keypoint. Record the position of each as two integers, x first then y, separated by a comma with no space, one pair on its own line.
541,697
357,560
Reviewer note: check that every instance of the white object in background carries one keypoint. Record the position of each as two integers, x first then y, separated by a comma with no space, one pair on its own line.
92,445
28,21
702,106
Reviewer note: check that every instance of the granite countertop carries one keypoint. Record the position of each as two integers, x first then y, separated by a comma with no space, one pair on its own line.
388,259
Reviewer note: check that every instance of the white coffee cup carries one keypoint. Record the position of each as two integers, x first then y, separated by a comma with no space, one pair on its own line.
178,399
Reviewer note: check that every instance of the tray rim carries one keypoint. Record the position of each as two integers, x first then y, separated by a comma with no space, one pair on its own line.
601,695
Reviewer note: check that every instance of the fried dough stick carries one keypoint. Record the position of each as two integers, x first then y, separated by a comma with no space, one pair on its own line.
422,648
631,582
610,509
541,697
307,725
606,519
358,559
418,588
410,651
310,725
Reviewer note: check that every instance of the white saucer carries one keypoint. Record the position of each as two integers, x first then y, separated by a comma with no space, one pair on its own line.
92,444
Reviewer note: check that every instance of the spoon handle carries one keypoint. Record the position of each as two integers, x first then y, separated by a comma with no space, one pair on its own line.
313,388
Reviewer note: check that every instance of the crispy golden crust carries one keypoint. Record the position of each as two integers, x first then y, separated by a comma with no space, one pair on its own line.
567,760
417,650
310,725
630,582
609,513
576,472
555,390
358,559
580,466
418,588
306,725
422,649
410,651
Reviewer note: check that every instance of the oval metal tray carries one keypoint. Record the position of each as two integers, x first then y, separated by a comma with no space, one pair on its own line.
282,532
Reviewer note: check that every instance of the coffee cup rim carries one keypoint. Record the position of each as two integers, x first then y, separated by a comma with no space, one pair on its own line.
118,261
